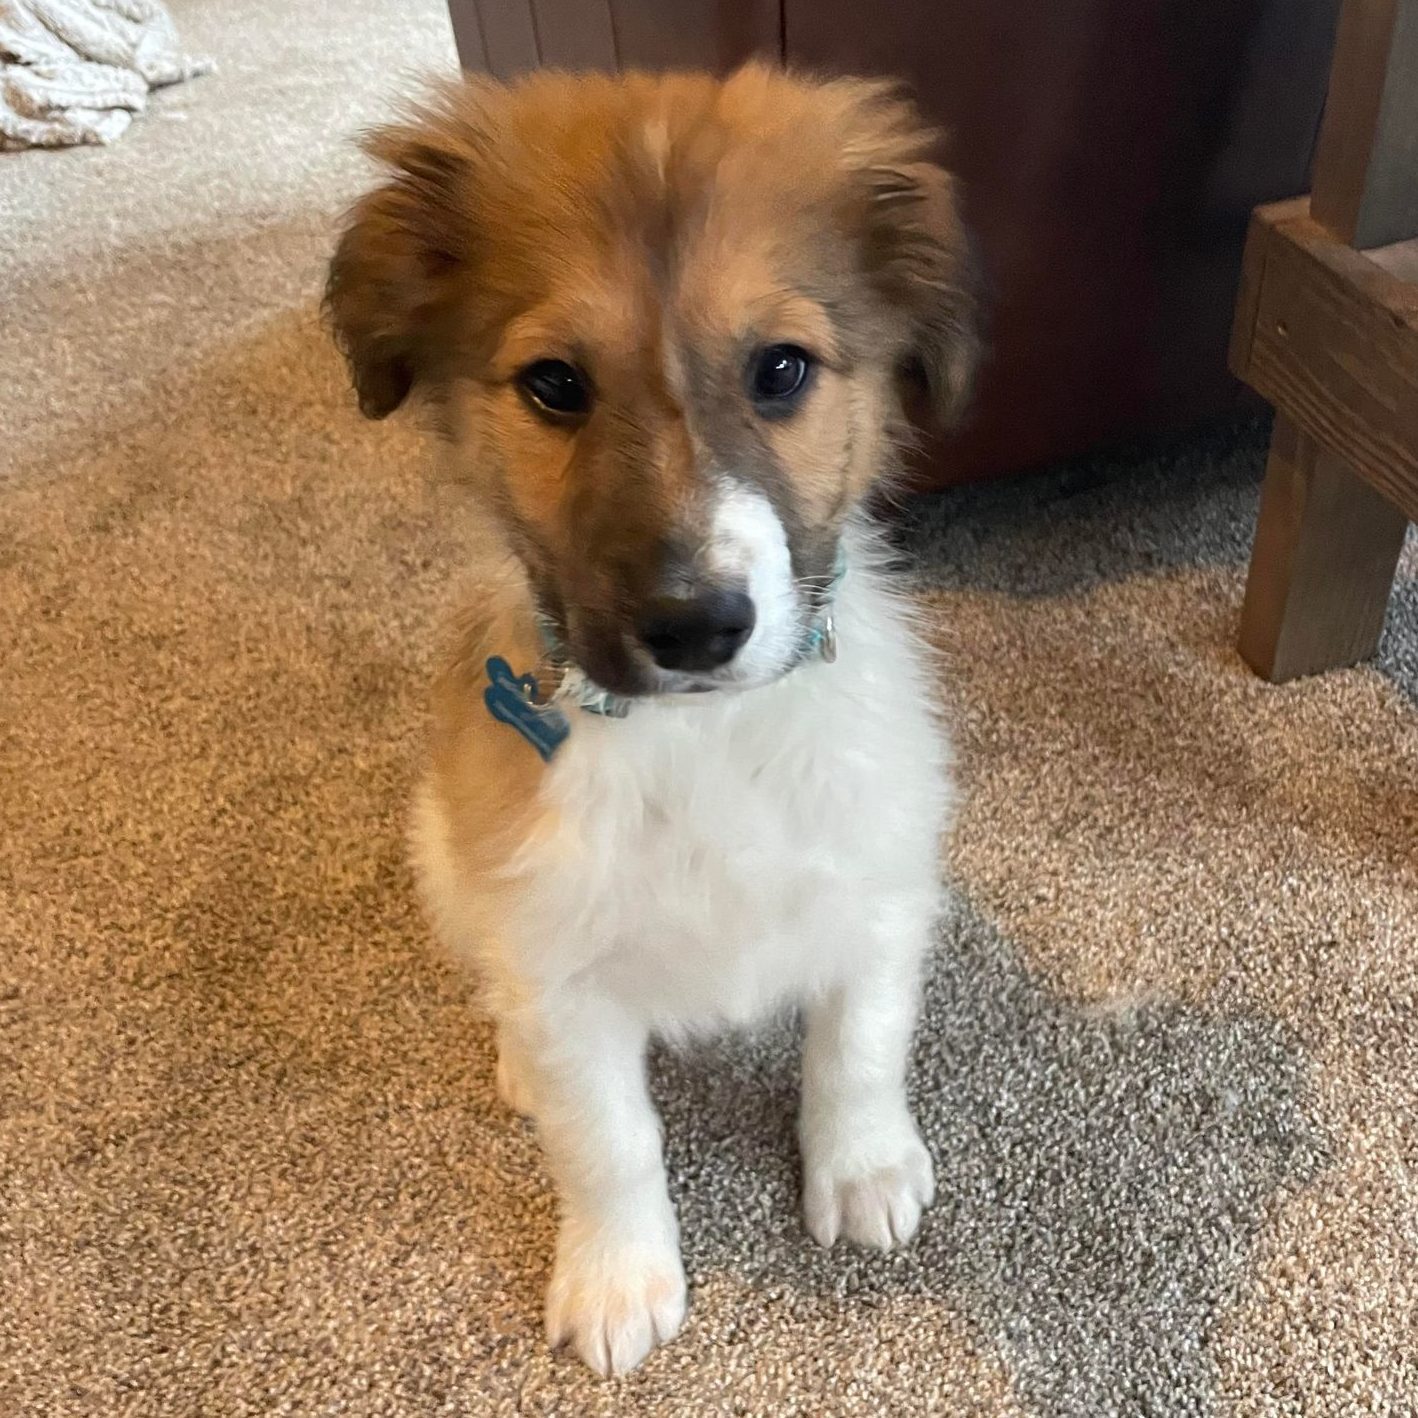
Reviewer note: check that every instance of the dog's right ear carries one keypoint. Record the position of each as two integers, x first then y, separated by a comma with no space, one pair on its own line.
404,250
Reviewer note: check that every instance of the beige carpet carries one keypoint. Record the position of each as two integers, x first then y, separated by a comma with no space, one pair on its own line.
250,1158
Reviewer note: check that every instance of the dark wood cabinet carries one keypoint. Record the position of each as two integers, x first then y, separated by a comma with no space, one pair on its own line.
504,37
1111,152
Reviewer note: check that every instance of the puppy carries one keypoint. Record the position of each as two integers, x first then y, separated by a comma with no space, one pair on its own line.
685,768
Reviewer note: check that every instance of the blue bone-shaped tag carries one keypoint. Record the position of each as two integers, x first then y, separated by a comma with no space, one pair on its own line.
516,700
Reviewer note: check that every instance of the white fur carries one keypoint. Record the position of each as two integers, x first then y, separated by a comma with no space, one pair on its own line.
700,864
747,542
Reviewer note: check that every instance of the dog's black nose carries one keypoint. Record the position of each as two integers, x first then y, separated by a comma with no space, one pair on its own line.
698,633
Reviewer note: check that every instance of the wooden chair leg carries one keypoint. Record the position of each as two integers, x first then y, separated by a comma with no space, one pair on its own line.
1326,549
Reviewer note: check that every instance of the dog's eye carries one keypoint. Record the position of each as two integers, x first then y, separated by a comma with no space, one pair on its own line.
777,376
554,387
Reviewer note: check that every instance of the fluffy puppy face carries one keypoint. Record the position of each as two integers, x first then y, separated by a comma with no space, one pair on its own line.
666,320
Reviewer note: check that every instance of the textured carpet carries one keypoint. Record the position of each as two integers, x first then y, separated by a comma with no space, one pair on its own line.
250,1157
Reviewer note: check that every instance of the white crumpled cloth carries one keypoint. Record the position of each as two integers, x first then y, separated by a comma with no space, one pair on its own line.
76,71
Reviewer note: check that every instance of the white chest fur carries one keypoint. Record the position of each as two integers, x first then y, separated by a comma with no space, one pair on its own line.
705,861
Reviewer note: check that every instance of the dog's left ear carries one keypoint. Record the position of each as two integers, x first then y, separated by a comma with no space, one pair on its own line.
916,250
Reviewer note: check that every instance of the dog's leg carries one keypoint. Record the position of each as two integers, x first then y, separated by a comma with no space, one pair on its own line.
866,1174
514,1072
617,1286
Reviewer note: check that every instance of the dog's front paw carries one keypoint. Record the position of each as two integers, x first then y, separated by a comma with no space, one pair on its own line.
614,1302
874,1201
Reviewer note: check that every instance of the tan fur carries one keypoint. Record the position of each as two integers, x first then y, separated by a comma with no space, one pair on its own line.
490,796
